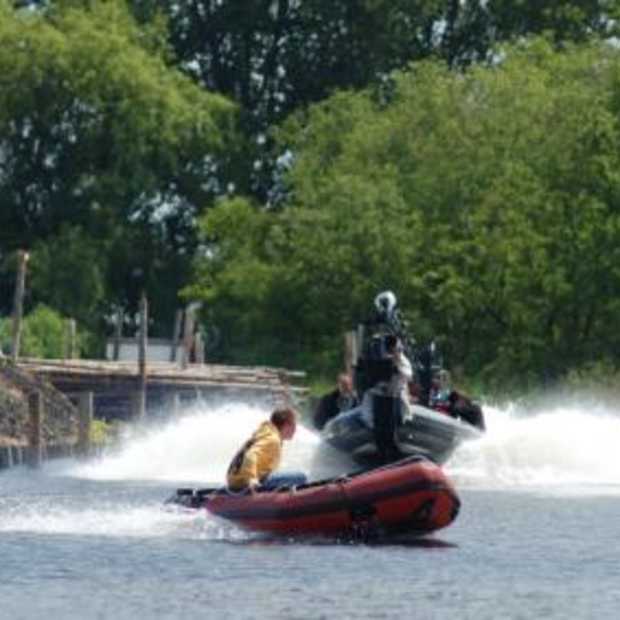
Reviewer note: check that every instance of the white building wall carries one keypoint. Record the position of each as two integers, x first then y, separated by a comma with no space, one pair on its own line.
157,351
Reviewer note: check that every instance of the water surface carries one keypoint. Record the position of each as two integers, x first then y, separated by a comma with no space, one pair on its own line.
536,537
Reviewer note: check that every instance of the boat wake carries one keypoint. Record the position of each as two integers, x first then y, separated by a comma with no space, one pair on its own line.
121,494
568,449
569,446
196,449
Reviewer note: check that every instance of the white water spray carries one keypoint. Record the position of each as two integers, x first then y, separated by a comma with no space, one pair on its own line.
570,448
571,444
197,448
122,494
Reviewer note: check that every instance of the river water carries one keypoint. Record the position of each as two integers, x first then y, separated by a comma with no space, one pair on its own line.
538,535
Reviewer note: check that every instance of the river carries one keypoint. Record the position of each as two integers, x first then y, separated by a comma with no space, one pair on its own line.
537,535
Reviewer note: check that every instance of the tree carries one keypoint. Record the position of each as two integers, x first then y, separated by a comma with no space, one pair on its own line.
54,265
471,31
488,201
97,130
274,57
572,21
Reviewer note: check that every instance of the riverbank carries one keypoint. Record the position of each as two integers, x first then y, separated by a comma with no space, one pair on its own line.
59,423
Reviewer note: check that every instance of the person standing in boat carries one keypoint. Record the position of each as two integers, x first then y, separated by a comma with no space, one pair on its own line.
394,384
253,466
403,372
341,399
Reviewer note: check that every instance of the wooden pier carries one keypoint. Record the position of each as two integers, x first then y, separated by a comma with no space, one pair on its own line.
116,385
56,401
49,405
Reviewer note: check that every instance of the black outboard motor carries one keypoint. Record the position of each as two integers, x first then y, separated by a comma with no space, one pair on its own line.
427,364
425,374
387,417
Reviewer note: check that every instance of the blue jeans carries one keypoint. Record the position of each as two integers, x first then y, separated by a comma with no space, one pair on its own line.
354,419
284,479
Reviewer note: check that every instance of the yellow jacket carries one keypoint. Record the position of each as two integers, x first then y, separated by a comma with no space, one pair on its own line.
258,457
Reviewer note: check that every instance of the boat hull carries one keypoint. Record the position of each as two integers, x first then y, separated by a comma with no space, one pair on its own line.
412,497
428,433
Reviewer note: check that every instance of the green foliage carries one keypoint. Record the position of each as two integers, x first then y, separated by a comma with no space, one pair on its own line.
488,201
573,20
277,56
97,130
43,334
54,265
595,375
100,432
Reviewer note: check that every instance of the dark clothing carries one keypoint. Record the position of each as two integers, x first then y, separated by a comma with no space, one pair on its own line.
331,405
460,406
283,479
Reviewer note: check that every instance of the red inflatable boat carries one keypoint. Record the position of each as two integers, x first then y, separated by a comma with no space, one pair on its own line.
412,496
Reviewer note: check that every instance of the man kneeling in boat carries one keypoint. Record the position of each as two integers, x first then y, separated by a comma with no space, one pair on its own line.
253,466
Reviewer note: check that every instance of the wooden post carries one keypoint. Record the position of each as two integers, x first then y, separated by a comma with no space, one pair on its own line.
142,350
18,303
176,335
85,420
5,457
70,337
118,334
359,339
188,335
199,348
350,351
35,434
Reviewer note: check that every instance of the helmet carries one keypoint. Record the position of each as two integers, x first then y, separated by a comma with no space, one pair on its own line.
385,302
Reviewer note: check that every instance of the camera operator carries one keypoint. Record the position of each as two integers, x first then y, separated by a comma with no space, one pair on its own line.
403,373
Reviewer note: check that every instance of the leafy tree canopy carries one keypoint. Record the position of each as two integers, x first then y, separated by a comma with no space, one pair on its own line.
99,132
489,201
277,56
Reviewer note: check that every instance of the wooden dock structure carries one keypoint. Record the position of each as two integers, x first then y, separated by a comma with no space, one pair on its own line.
55,401
116,385
48,404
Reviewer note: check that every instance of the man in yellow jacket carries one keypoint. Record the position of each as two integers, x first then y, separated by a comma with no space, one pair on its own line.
254,464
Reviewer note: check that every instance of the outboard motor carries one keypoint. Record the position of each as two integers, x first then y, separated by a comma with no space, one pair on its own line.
387,417
425,374
427,365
